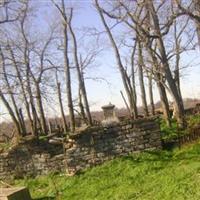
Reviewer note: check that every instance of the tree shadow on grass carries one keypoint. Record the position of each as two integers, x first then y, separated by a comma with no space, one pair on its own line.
164,156
46,198
148,156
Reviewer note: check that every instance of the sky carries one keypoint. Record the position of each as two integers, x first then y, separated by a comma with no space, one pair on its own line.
103,92
87,16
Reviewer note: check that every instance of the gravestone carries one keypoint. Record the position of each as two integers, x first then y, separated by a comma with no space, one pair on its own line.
20,193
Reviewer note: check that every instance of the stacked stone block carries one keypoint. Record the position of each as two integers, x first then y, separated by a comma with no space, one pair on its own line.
85,149
22,162
97,145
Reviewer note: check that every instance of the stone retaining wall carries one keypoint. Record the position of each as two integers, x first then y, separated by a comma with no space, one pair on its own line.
21,162
84,149
97,145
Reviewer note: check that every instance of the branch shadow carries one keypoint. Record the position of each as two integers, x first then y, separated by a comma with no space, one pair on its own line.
46,198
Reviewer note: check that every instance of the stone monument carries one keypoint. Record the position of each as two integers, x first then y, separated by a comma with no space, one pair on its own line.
109,115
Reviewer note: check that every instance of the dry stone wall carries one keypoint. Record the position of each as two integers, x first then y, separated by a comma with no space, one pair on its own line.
97,145
83,150
22,161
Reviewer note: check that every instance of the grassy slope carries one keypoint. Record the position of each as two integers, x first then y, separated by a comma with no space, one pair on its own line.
156,175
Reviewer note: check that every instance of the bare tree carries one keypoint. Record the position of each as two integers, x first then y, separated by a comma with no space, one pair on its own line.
150,85
38,80
141,79
153,33
165,65
9,15
61,104
62,11
26,50
193,11
125,78
160,81
83,93
11,94
12,114
133,89
22,86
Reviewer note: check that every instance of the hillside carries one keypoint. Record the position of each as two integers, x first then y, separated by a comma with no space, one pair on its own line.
151,175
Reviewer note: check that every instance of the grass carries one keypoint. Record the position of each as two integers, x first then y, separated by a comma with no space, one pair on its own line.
165,175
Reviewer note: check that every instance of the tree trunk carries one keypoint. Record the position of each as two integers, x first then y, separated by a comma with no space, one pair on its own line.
151,94
67,70
134,95
81,107
26,57
161,89
177,51
125,79
160,84
41,109
141,80
10,92
12,114
178,102
31,100
22,120
164,101
23,91
61,107
79,73
197,22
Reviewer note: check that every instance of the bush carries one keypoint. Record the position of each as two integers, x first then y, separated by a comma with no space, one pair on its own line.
169,133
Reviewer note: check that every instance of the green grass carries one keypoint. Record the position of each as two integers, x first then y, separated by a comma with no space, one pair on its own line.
163,175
